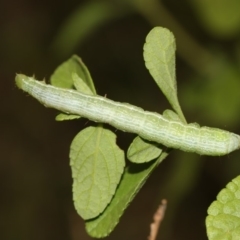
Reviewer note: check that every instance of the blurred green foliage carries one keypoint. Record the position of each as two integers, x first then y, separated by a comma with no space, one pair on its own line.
219,17
36,199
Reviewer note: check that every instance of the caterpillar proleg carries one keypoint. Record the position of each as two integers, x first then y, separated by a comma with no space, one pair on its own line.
149,125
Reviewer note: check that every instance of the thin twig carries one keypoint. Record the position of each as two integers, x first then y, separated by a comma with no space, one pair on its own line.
157,219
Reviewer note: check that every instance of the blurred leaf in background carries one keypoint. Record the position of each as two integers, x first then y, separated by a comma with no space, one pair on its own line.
219,17
84,21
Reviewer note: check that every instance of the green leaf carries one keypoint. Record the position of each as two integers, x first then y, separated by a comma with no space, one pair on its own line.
72,74
169,114
159,56
80,85
223,220
133,179
62,117
62,76
97,164
141,151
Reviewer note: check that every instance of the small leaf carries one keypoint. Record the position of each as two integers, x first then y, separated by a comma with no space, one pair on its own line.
72,74
223,220
159,56
97,164
63,117
133,179
80,85
62,76
171,115
141,151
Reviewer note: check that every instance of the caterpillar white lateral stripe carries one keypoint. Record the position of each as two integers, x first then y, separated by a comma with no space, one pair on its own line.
149,125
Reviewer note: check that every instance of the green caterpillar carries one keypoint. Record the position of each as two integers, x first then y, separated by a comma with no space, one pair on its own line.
149,125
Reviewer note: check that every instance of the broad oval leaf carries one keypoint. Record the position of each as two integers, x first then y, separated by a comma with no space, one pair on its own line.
223,220
141,151
159,56
133,179
97,164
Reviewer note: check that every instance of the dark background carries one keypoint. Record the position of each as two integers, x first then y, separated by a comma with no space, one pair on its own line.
35,177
